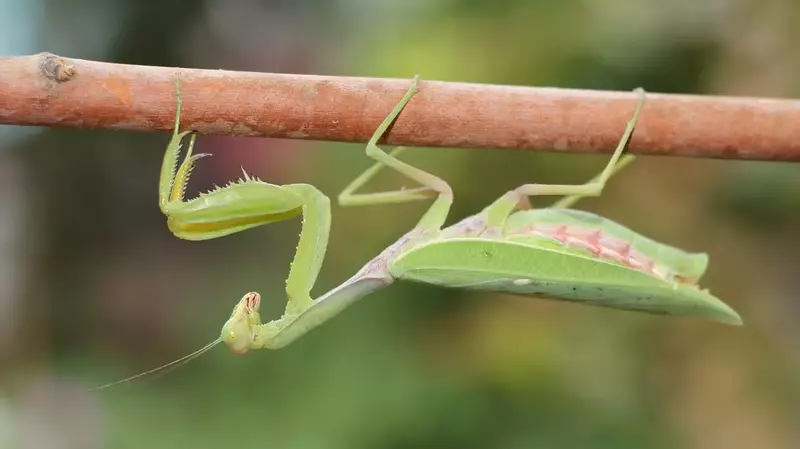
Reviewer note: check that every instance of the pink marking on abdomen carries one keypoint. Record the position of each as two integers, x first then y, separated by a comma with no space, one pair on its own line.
600,245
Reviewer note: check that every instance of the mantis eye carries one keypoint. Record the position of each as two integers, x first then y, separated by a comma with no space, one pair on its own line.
251,302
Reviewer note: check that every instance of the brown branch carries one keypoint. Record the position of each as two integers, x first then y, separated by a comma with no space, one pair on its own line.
48,90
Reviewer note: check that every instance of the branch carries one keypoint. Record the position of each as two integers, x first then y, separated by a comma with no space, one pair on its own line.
48,90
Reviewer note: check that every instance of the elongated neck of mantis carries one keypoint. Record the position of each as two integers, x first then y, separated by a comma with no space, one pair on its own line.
279,333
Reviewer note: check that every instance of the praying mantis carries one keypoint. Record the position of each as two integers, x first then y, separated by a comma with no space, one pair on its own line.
555,253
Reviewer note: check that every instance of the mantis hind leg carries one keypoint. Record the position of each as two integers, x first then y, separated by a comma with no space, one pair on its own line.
499,211
432,186
596,185
568,201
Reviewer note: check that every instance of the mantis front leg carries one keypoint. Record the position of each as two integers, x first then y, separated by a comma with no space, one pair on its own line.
244,204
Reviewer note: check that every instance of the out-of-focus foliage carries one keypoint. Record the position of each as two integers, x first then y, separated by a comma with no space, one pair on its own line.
96,288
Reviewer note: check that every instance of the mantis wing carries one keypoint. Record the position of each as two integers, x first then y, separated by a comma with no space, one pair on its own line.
530,270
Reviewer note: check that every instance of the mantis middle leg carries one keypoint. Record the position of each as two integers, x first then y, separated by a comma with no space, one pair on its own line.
432,185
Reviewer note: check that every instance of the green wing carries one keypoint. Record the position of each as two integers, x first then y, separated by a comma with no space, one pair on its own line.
503,266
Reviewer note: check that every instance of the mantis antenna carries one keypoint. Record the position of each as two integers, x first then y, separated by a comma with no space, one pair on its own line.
175,363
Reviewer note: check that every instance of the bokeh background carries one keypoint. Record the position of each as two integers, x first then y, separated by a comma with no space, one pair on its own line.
93,287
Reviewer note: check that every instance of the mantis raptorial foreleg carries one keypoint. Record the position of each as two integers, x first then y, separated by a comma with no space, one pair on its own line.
436,215
242,205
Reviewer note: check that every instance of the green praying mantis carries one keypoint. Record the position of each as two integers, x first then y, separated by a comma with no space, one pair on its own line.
555,253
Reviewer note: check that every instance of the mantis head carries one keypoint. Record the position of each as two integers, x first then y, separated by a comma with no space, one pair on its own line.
240,331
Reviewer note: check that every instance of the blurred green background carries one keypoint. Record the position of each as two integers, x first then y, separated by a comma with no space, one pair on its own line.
93,287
